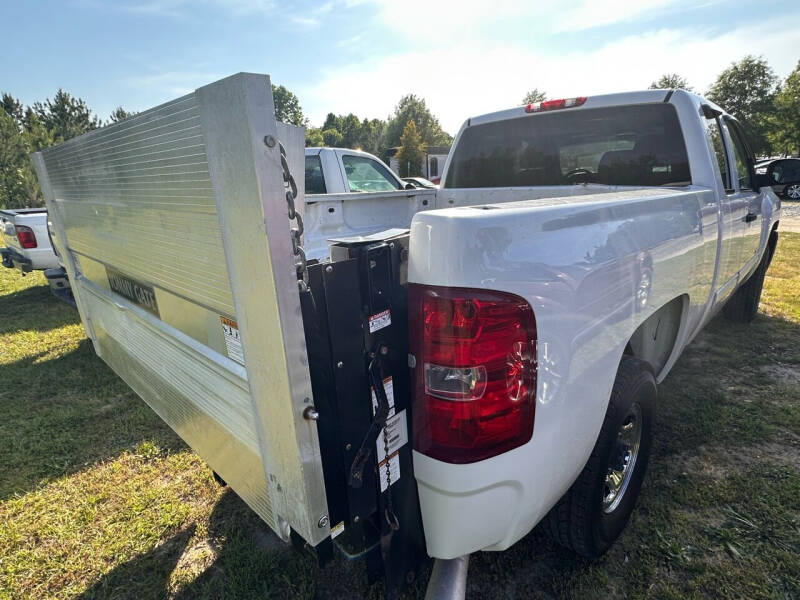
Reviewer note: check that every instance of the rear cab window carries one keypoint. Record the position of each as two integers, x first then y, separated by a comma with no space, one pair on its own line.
315,179
637,145
367,175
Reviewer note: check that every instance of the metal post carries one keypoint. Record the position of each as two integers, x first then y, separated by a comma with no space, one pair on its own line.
449,579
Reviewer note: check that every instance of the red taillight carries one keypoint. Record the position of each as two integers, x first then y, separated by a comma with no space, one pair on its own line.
25,236
555,104
475,373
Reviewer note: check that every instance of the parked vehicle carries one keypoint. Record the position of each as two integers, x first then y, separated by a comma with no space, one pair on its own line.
420,182
27,243
783,175
332,175
512,331
341,170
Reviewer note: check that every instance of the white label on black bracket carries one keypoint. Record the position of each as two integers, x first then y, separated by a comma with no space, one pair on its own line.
396,435
380,320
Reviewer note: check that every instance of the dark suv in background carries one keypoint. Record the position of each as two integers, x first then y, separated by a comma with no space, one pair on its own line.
783,175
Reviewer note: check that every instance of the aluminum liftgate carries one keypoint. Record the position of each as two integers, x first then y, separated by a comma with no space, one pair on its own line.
174,232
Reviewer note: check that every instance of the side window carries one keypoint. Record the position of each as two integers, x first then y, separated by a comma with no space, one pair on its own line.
791,171
741,156
434,170
315,180
367,175
776,172
715,135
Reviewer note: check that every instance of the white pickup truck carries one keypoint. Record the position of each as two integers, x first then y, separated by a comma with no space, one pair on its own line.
28,245
342,170
415,379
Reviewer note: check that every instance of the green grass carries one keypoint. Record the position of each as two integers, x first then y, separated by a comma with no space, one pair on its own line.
99,499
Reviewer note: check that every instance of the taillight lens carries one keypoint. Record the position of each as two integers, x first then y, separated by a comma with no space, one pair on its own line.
475,373
25,236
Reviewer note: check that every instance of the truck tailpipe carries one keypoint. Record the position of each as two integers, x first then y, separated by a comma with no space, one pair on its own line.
449,579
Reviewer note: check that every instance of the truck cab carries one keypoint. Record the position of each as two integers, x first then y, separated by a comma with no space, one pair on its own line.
342,170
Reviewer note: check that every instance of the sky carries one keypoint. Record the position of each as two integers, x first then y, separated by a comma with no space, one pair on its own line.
463,57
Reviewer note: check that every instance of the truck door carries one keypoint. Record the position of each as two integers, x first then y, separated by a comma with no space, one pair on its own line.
745,196
731,213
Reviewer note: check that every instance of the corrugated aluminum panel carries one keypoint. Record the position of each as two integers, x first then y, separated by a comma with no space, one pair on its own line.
205,402
173,224
140,185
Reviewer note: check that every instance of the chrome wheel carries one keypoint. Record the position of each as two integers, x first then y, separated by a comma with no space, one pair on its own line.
793,191
623,459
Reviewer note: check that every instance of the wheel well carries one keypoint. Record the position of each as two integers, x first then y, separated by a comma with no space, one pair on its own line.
654,340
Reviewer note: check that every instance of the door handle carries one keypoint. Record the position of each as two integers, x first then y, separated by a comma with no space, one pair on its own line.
749,217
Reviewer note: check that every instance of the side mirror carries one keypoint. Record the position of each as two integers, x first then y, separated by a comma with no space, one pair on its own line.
410,186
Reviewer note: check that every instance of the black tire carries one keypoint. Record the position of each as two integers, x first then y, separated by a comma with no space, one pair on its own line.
742,307
792,191
582,521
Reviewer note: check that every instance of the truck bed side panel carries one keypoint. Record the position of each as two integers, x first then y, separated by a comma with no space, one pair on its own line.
579,262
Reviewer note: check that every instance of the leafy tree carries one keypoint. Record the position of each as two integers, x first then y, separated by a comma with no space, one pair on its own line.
411,152
332,122
119,114
332,137
13,108
314,137
372,133
411,108
351,131
12,153
287,106
18,185
671,81
785,135
65,116
747,90
534,96
36,134
367,134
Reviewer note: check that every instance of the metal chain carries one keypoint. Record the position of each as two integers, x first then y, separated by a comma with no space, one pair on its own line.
391,517
296,232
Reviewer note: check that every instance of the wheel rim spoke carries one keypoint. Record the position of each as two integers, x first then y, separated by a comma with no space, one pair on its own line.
623,459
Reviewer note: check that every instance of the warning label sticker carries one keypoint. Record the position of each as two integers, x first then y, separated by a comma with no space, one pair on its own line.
233,343
389,389
337,529
396,432
380,320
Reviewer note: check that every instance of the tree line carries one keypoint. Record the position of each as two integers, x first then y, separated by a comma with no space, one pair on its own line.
768,108
410,128
26,129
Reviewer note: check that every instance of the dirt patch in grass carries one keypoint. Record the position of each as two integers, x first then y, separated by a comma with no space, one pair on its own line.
786,373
